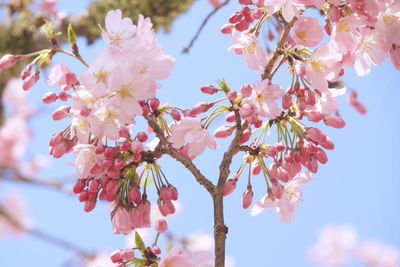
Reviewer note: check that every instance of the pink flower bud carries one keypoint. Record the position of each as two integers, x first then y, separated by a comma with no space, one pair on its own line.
277,190
200,108
174,192
127,254
242,26
256,168
244,11
328,27
113,173
96,169
230,117
89,205
156,250
136,157
227,29
246,90
245,2
123,131
334,14
165,206
321,156
112,188
280,146
142,136
299,69
235,17
282,174
310,97
78,186
286,101
25,72
247,197
256,14
134,194
61,113
161,226
248,18
245,136
327,143
230,186
119,164
136,146
93,185
165,193
271,151
209,89
83,196
315,134
116,256
311,164
30,81
176,115
145,110
49,97
224,131
232,95
124,146
107,163
8,61
109,152
99,149
154,103
334,121
314,116
63,96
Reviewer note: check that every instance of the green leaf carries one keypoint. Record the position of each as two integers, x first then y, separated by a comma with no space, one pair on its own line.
71,35
139,242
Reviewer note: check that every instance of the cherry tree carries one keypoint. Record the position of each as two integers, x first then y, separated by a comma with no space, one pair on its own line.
119,130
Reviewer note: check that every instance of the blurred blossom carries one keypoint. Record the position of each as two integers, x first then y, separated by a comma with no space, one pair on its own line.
334,246
376,254
200,241
13,216
101,259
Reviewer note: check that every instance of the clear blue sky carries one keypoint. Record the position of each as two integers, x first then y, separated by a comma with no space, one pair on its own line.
358,186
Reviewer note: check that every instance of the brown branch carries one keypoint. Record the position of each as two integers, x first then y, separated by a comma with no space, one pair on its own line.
200,178
220,229
278,50
187,48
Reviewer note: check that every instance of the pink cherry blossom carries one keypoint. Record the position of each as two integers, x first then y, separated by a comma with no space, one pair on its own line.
346,36
307,32
263,97
290,8
118,29
371,51
179,258
248,46
49,6
286,205
189,133
215,3
323,65
61,75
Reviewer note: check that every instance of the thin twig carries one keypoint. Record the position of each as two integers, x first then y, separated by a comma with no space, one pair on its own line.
278,50
187,48
201,179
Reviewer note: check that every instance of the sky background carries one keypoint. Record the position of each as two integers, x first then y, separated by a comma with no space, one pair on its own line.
359,185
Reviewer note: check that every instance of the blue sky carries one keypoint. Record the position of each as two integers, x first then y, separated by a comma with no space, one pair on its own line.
358,186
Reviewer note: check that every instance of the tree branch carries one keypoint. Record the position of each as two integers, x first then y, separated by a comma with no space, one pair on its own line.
220,229
278,50
200,178
187,48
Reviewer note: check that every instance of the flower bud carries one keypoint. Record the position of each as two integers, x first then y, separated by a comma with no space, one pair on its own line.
247,197
224,131
60,113
209,89
227,29
123,131
161,226
176,115
30,81
334,121
142,136
232,95
154,103
49,97
246,90
8,61
230,186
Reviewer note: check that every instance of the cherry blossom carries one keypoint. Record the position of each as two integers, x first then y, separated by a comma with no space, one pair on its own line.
263,97
118,29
